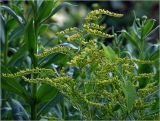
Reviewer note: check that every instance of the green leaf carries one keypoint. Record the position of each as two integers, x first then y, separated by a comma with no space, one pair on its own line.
52,9
130,38
16,33
130,94
6,113
45,9
30,37
18,111
58,59
144,68
135,31
109,53
3,26
43,109
64,4
18,55
154,30
39,2
155,55
42,28
11,24
13,86
13,13
18,10
147,27
45,93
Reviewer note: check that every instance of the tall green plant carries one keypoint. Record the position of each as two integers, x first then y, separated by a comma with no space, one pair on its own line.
22,27
94,78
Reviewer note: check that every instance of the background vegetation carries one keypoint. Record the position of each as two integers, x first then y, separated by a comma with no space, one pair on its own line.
29,28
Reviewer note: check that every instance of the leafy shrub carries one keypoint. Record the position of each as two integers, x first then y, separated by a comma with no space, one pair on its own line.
114,82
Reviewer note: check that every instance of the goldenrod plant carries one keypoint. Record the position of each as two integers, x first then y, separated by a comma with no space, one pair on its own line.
80,73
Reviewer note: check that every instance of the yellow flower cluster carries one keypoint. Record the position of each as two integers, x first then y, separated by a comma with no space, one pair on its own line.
103,68
128,67
107,74
143,75
97,105
106,12
86,56
37,80
132,60
95,13
99,33
64,83
28,71
82,98
90,18
88,28
95,72
74,61
141,104
57,49
73,37
68,30
102,94
93,26
102,82
83,41
150,88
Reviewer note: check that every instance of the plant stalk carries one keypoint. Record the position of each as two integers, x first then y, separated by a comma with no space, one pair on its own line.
34,86
33,105
3,92
34,91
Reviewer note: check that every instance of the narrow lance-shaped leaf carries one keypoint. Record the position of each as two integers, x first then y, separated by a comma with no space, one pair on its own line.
45,93
13,13
16,33
18,111
11,24
57,6
30,37
64,4
130,38
45,10
147,27
45,108
13,86
21,52
130,94
2,26
109,53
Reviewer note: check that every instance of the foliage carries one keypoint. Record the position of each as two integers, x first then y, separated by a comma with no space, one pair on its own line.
77,77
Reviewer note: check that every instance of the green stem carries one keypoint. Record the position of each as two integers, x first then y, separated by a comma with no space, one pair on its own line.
33,105
141,49
34,91
34,86
5,64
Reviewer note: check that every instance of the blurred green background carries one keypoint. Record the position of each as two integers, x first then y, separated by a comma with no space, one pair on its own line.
73,15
